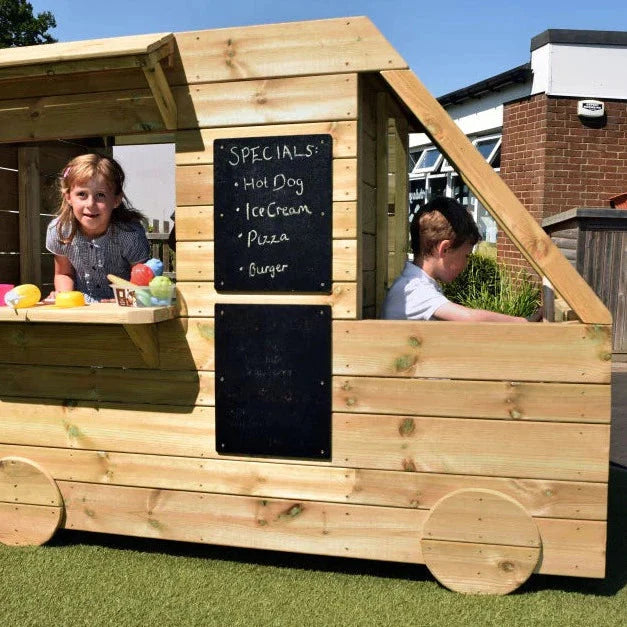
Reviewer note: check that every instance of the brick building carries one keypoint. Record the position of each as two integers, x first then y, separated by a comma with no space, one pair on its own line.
526,124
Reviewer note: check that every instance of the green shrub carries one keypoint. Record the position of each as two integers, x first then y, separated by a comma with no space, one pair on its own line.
486,284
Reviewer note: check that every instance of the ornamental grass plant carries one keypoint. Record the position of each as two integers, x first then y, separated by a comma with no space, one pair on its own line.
487,284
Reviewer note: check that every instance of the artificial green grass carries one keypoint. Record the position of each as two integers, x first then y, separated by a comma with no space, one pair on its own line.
94,579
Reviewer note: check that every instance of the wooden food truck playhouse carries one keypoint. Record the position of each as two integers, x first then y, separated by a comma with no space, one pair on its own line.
271,408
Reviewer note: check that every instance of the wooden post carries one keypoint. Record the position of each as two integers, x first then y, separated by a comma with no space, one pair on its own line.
401,193
29,205
381,242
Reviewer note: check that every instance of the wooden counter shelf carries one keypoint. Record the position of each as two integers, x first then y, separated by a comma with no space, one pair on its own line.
138,322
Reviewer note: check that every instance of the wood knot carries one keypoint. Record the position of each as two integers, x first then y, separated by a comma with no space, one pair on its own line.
405,362
407,427
409,465
506,566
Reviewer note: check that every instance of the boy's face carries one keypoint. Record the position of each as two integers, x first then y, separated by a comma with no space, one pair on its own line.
452,261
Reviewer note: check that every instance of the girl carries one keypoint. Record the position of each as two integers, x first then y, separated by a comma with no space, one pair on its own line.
96,232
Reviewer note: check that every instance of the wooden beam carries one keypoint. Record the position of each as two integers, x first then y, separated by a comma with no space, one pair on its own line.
29,204
164,98
381,242
401,192
105,50
144,336
498,199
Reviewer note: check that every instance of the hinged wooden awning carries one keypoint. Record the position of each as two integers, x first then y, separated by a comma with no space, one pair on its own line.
98,55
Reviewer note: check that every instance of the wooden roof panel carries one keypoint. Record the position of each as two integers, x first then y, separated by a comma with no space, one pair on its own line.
83,50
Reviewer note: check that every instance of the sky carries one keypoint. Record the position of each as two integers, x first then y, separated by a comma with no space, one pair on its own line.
449,44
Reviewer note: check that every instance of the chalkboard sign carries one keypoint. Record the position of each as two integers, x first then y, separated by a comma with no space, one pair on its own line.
273,380
272,214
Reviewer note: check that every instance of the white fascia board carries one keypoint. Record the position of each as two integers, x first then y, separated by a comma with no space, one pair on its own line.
541,70
588,71
481,115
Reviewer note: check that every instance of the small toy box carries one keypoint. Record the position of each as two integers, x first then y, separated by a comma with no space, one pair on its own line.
144,296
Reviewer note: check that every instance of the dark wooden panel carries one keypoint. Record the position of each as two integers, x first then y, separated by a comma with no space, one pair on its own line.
10,268
9,231
8,190
273,380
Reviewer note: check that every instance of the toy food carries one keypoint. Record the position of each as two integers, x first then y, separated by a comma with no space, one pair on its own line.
141,274
161,287
143,297
156,265
4,288
70,299
25,295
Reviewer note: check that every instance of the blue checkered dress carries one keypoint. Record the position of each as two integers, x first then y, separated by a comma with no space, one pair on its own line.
122,246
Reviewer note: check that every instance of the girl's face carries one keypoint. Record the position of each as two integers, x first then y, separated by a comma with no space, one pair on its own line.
93,202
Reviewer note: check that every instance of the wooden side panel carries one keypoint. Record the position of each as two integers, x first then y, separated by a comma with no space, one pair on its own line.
445,398
322,528
286,525
441,445
274,101
195,147
98,384
544,498
79,115
454,350
314,47
9,216
473,447
503,400
199,299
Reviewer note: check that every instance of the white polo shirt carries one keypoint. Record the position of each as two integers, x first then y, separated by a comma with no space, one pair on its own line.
413,296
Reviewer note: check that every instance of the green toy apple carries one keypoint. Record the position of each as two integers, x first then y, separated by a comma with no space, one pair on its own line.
161,287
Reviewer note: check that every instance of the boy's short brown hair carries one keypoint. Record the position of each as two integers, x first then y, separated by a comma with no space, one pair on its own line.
441,218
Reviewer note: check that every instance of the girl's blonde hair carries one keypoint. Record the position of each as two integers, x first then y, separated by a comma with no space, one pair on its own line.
81,169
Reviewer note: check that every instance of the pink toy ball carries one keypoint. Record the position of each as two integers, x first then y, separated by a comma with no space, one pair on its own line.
4,288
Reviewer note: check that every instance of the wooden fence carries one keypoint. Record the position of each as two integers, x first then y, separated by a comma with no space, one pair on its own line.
158,234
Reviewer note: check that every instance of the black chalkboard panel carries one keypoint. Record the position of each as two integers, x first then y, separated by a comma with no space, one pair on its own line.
272,214
273,380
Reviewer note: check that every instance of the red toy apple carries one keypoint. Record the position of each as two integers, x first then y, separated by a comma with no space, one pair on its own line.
141,274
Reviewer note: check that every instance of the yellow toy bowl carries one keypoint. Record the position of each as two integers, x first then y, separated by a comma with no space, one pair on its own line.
69,299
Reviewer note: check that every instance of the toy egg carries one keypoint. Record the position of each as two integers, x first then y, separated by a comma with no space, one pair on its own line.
23,296
70,299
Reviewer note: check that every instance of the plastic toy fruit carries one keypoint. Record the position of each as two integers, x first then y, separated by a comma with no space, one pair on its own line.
22,296
161,287
143,298
156,265
70,299
141,274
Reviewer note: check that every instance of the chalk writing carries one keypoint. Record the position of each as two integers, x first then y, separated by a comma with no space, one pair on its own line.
273,208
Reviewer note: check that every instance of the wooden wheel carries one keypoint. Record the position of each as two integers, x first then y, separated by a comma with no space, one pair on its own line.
31,506
480,542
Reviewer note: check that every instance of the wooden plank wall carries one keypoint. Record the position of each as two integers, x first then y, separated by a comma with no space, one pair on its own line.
9,217
597,248
602,262
403,437
419,409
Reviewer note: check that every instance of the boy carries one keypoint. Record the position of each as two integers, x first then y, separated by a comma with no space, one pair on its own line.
443,234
